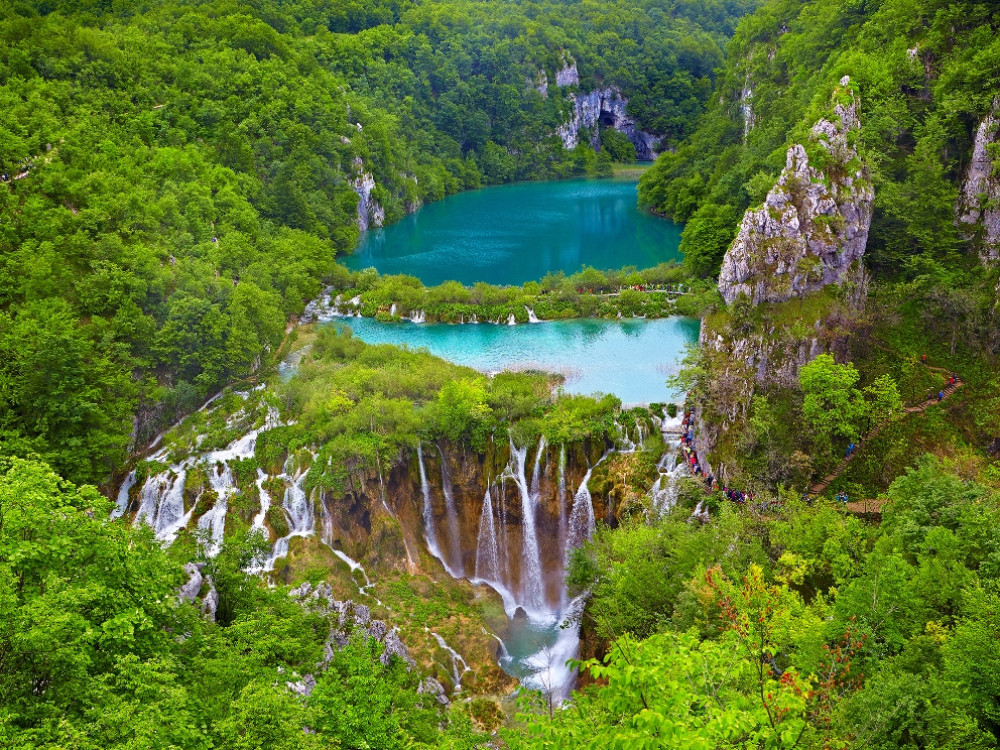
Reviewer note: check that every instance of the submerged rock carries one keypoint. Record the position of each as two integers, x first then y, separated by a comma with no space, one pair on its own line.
979,203
814,223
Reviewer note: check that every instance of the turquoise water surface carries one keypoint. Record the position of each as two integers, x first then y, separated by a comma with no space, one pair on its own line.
511,234
629,358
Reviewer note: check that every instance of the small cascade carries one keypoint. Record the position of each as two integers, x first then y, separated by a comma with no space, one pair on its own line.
511,320
640,429
214,521
532,584
121,504
456,659
454,540
355,301
625,444
392,309
355,566
532,318
474,320
419,316
430,530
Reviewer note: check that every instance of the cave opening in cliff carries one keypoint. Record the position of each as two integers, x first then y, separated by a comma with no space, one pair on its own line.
607,119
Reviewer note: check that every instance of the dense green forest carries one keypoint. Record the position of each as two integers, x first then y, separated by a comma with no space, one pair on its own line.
927,73
179,180
179,176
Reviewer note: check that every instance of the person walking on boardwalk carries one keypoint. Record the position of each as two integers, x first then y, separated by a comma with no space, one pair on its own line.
940,396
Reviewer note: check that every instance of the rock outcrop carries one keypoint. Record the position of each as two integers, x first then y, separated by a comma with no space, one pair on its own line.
351,618
978,208
604,107
814,223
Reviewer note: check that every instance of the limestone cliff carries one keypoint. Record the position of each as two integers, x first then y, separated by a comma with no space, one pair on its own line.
978,208
814,223
370,212
603,108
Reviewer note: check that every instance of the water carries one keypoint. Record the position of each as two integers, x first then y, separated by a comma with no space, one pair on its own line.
629,358
516,233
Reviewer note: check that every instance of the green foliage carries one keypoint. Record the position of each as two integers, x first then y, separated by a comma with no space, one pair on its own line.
832,406
924,71
99,653
178,177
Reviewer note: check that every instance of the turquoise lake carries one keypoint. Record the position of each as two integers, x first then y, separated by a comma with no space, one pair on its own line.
511,234
629,358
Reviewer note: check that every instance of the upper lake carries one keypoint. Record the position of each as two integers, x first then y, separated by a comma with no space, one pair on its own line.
511,234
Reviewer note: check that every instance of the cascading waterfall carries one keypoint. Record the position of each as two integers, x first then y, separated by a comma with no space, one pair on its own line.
265,503
161,505
487,548
121,504
532,583
563,514
430,530
581,519
213,523
532,318
454,541
511,320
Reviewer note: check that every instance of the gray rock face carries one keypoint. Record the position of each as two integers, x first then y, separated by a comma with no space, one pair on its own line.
605,107
814,222
567,75
979,204
189,591
351,618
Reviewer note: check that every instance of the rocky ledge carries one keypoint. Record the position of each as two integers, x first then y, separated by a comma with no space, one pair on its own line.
814,223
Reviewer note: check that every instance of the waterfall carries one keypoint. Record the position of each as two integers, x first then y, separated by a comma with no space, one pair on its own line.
265,504
161,505
121,504
535,474
454,542
563,515
392,309
474,320
511,320
213,523
429,529
532,318
419,316
664,490
487,549
532,584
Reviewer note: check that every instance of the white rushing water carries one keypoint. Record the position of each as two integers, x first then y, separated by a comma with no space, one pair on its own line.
430,525
532,584
121,504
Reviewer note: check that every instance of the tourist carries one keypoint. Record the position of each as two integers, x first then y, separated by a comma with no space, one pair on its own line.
940,396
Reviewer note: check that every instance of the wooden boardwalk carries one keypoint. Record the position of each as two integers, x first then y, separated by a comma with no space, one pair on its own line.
821,486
